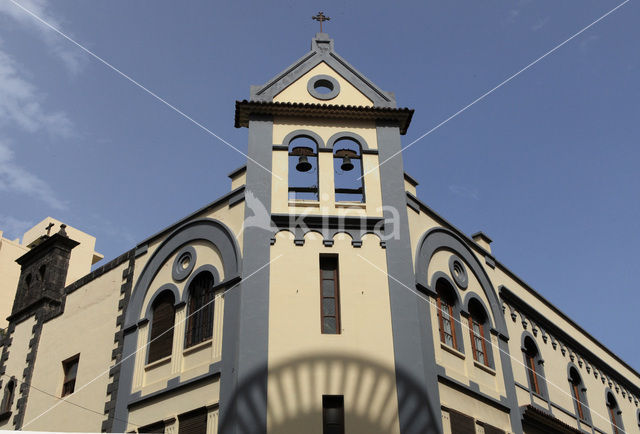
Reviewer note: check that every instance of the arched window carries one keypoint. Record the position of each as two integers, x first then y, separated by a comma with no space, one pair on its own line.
614,414
347,166
533,364
201,302
7,399
477,325
578,392
162,321
41,272
303,168
447,314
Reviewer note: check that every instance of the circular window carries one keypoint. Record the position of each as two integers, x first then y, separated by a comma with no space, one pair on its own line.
183,264
458,272
323,87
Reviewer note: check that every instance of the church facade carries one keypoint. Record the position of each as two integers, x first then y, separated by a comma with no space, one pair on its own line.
319,295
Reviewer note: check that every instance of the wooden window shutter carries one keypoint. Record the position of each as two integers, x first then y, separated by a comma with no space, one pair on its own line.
461,423
157,427
201,308
193,422
488,429
162,321
333,414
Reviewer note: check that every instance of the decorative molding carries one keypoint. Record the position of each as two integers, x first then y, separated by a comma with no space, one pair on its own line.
322,50
323,80
568,344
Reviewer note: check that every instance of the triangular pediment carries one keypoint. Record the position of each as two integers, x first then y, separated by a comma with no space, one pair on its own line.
322,65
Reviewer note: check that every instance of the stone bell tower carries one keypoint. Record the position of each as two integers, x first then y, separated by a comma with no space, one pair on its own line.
43,274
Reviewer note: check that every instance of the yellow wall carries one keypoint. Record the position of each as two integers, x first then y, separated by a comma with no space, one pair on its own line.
459,401
297,91
304,364
86,328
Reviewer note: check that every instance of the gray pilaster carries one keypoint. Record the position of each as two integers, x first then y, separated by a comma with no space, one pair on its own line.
246,325
416,371
509,385
129,339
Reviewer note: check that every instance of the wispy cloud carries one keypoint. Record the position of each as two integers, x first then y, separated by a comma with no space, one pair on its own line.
465,192
18,180
540,24
21,103
12,227
99,225
514,12
69,56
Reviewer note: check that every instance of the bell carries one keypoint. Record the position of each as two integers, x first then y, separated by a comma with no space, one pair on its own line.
346,165
303,164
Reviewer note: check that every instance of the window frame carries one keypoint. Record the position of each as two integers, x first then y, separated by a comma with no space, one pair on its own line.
335,149
441,320
482,338
534,365
615,414
8,396
327,404
154,342
578,392
532,373
314,189
336,293
66,368
202,313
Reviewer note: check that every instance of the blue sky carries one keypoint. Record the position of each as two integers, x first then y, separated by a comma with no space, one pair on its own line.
546,165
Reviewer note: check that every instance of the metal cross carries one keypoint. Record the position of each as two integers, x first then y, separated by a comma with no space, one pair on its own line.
48,228
320,17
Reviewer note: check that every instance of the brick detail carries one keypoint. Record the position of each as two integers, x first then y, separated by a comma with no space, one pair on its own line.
28,370
118,338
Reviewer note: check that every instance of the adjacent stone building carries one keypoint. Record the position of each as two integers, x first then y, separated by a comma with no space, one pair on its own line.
320,295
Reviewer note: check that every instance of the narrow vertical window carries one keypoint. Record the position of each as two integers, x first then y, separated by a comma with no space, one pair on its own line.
477,319
446,319
578,392
70,368
161,340
332,414
7,400
614,414
477,340
445,315
531,358
200,326
329,294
